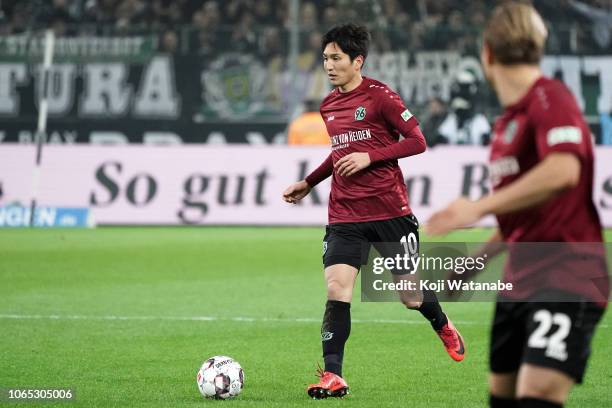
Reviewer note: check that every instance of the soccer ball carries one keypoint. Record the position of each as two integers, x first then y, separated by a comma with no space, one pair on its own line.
220,377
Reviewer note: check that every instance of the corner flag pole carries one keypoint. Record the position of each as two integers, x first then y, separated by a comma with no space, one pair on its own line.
41,131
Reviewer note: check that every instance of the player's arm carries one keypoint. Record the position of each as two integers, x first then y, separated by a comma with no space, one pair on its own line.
557,172
300,189
394,112
412,144
561,146
398,117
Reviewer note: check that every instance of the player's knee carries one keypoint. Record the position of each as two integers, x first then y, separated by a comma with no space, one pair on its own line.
503,385
543,390
337,291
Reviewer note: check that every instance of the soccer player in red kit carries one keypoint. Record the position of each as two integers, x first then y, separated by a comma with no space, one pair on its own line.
368,203
541,168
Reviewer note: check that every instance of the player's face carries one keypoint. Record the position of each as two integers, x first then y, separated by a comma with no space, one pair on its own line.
338,66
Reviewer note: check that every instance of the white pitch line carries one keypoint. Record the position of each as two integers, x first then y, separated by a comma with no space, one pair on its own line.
233,319
211,319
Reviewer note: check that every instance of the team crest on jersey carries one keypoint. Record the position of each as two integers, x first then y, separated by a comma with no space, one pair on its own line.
510,131
360,113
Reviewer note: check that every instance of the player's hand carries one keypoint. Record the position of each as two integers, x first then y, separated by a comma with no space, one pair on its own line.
460,213
296,192
352,163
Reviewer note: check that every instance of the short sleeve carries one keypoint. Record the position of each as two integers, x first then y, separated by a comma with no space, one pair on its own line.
559,127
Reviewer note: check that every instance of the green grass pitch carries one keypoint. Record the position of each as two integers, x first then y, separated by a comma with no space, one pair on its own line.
124,333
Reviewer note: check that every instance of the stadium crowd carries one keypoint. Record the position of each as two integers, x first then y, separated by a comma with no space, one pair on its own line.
576,25
210,28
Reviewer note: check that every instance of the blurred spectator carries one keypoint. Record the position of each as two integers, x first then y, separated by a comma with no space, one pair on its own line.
310,57
416,37
308,128
243,36
431,121
274,60
58,17
263,13
206,44
330,17
308,16
132,12
310,65
399,34
208,17
233,10
270,44
100,12
169,42
167,12
207,21
20,18
463,125
380,41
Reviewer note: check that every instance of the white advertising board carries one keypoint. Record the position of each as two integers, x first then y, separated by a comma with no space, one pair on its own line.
171,185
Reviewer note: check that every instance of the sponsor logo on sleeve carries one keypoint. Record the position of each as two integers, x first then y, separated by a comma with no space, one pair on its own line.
406,115
510,131
503,167
564,134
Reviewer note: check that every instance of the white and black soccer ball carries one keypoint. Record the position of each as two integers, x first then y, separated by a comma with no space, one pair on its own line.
220,377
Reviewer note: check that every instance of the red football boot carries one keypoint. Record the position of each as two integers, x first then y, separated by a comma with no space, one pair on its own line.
329,385
453,342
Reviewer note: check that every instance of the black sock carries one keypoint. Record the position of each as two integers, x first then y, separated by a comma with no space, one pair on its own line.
334,333
537,403
497,402
431,310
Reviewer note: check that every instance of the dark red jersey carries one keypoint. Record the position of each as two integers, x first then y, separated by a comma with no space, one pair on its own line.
369,119
548,120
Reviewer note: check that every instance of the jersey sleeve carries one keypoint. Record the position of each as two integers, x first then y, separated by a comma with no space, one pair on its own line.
395,113
413,144
399,118
321,173
559,126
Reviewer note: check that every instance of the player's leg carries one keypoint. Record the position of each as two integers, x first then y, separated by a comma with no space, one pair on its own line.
405,231
412,299
505,353
336,326
558,337
502,390
343,254
542,387
340,280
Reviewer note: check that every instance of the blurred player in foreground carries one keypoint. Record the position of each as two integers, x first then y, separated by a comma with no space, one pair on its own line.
368,203
542,176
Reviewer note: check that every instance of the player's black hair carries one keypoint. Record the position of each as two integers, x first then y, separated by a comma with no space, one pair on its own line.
352,39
